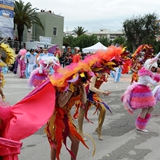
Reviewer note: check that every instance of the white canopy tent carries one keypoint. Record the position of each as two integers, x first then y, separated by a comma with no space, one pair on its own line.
94,48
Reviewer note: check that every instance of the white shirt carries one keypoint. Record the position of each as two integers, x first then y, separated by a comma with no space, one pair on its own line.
146,79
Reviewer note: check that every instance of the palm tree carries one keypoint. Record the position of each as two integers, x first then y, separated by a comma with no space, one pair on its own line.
79,31
25,15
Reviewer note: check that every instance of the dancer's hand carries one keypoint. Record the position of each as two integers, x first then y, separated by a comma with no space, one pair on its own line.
106,93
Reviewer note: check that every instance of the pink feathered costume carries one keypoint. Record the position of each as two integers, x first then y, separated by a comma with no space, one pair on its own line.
42,73
139,95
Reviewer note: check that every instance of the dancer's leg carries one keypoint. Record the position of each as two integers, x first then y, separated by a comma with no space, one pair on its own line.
148,115
101,118
74,145
143,113
81,119
150,109
142,120
53,153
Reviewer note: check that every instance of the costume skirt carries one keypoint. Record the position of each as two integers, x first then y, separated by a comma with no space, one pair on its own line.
137,96
58,128
141,97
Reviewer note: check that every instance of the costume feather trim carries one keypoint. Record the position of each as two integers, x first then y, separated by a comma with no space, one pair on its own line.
126,97
10,53
144,72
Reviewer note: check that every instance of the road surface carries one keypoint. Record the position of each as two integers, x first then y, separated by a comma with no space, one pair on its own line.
120,139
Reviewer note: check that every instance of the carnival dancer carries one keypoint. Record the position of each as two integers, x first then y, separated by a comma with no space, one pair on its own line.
156,93
39,52
93,97
47,66
30,60
156,90
6,59
141,54
16,63
116,74
136,66
139,95
44,54
60,126
21,64
101,69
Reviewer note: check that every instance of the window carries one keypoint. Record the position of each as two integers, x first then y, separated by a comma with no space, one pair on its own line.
55,31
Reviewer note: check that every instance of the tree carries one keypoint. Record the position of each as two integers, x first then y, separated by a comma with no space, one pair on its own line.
120,40
79,31
86,40
105,41
81,41
25,15
140,29
69,41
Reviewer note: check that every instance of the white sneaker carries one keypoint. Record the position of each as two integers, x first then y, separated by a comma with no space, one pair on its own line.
142,130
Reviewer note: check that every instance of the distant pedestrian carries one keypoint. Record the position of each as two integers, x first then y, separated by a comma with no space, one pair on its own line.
116,75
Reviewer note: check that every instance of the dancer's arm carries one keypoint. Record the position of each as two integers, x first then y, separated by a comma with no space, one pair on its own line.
64,97
106,77
94,89
150,80
84,96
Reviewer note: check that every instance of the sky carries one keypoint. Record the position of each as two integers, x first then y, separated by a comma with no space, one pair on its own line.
94,15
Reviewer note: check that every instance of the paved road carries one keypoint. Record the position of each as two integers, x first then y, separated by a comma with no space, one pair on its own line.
121,141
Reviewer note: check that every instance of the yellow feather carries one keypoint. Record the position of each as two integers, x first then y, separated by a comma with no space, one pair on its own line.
110,64
10,53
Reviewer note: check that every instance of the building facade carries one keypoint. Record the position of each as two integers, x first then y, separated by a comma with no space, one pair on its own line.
101,33
108,33
53,27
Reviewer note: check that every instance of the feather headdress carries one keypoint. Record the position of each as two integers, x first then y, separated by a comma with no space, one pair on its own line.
71,73
8,53
144,50
107,60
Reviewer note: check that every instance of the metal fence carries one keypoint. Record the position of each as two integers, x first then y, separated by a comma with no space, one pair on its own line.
14,44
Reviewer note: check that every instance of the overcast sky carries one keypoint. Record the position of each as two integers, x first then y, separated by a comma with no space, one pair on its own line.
96,14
